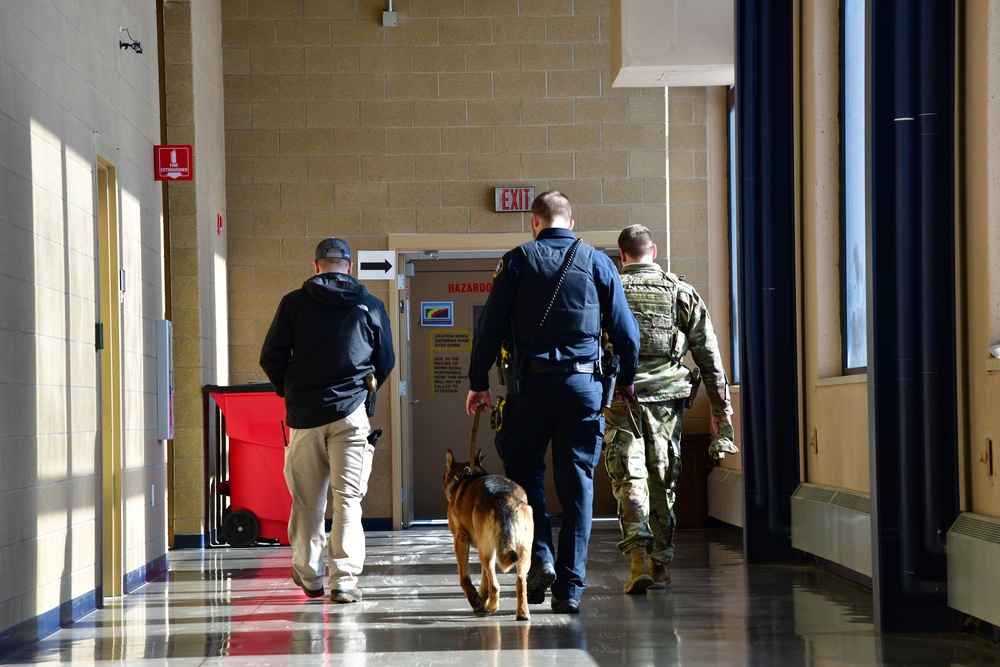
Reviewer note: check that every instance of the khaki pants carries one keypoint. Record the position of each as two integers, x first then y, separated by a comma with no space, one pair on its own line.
337,457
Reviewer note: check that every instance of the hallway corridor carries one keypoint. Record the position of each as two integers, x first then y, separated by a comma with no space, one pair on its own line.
240,607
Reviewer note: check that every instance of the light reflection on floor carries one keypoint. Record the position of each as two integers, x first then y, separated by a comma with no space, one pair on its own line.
240,607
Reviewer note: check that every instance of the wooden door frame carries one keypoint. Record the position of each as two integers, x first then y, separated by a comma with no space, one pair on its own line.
110,567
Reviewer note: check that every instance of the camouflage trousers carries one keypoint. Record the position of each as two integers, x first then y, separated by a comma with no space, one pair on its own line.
644,469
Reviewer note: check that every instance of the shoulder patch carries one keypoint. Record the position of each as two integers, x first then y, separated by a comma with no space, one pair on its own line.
499,268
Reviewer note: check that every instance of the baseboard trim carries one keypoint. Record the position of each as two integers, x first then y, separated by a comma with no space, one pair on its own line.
189,542
149,572
33,630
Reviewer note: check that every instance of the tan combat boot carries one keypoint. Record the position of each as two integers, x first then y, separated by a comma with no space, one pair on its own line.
639,578
660,573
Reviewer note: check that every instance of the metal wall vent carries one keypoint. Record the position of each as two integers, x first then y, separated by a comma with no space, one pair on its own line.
852,501
818,494
977,527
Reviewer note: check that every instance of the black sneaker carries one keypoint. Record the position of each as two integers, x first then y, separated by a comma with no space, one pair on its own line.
565,606
540,577
310,592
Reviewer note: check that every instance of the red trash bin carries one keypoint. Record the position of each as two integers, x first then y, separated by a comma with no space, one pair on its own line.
259,500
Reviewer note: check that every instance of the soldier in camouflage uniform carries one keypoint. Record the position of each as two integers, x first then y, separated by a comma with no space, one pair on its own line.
642,440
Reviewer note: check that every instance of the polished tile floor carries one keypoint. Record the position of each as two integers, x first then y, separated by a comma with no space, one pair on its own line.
240,607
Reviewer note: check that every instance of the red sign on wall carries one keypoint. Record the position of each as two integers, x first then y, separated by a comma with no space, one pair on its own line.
512,199
173,163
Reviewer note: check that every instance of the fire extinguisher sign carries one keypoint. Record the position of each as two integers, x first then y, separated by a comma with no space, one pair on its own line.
173,163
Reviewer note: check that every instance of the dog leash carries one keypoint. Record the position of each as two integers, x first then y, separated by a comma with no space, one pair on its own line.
472,438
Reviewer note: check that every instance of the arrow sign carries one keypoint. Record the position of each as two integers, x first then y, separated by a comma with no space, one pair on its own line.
376,265
382,266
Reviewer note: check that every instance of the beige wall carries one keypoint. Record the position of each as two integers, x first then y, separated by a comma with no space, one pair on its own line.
979,214
67,91
698,242
192,33
337,125
835,450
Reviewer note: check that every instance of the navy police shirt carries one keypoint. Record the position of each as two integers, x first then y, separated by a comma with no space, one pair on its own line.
589,300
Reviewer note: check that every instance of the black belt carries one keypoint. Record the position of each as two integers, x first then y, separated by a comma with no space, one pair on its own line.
543,367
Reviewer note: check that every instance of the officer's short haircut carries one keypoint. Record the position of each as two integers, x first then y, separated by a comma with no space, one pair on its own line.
635,241
551,205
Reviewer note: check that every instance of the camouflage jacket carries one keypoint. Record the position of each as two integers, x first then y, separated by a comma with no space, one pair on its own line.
673,320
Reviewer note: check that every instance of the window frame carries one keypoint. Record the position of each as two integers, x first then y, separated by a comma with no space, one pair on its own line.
847,295
733,206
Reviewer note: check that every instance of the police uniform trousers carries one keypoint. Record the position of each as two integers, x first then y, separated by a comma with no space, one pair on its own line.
564,409
338,457
644,469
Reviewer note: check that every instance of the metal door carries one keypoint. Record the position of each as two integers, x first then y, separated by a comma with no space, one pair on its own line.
445,297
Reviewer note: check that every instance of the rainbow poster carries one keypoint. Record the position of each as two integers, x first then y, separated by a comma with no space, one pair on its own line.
437,313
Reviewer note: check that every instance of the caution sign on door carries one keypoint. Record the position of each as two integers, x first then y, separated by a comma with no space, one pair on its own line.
449,358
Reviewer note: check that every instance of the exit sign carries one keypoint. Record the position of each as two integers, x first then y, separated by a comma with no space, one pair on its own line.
511,199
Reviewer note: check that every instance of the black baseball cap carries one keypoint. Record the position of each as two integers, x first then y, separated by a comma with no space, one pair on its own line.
333,248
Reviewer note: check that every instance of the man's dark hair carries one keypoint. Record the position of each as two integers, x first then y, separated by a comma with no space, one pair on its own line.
550,205
635,241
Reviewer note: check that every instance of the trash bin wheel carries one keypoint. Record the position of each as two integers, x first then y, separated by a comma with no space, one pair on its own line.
240,528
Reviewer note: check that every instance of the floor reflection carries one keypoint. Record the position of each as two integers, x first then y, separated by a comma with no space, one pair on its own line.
239,607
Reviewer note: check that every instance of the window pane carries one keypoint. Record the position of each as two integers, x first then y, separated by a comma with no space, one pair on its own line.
855,300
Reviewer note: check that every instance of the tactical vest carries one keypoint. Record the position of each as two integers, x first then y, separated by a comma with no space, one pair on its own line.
652,298
576,313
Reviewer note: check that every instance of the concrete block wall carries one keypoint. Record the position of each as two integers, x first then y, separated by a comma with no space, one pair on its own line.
69,97
336,125
687,154
192,35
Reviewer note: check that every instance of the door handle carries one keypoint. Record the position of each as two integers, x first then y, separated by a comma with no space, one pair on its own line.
414,401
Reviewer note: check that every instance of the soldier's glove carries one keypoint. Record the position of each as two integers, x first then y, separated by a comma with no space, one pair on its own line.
722,443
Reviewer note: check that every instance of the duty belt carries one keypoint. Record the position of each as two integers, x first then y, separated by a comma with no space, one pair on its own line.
543,367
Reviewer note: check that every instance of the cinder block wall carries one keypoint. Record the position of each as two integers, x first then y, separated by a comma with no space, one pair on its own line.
71,99
687,155
194,114
336,125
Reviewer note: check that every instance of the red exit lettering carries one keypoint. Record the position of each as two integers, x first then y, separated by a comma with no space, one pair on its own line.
513,199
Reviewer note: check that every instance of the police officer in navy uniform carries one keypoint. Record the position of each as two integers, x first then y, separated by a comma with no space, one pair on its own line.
558,394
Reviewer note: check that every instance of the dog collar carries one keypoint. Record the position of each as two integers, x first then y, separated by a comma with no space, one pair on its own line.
467,472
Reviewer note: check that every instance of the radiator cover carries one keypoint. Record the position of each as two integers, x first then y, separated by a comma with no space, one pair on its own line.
973,558
725,496
834,524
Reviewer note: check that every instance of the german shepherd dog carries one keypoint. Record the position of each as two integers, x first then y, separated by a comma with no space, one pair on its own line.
491,513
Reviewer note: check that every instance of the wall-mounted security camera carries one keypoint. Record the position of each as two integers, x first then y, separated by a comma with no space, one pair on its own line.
135,44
